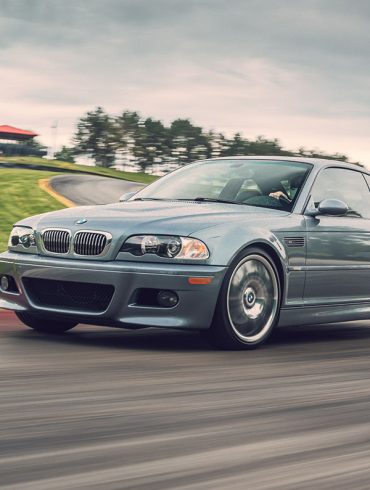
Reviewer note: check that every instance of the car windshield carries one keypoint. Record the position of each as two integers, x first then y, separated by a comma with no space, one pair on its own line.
263,183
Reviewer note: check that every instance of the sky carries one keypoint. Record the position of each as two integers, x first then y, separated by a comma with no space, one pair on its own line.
297,70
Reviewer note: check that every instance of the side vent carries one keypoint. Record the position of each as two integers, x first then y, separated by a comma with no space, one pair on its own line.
294,241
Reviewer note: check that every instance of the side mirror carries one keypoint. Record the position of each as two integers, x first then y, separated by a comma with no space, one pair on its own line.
330,207
126,196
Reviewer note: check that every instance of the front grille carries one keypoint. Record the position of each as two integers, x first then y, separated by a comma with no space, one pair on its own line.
56,241
88,297
89,243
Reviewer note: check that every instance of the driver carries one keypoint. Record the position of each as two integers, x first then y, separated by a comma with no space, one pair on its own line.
295,185
279,194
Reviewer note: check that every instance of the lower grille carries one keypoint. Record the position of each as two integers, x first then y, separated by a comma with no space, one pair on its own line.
94,298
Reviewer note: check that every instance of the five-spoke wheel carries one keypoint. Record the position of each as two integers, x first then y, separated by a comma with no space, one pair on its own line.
248,305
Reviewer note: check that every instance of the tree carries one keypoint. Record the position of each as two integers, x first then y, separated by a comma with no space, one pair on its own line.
217,144
235,146
34,145
145,139
265,146
154,148
96,137
187,141
130,138
65,154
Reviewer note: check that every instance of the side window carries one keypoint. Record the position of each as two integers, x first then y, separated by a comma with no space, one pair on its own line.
367,178
347,185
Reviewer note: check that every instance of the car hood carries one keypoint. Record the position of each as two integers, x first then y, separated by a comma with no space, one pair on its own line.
167,217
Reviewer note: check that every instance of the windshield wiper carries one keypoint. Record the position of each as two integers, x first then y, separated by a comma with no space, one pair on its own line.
212,199
197,199
149,199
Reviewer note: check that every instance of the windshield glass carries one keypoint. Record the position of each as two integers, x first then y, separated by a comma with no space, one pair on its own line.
270,184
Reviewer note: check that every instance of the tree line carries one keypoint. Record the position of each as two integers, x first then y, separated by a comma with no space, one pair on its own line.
148,143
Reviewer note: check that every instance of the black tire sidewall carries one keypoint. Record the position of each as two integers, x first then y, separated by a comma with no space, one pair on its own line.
221,332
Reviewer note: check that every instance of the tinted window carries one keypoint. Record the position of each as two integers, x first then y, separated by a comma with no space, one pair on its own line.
347,185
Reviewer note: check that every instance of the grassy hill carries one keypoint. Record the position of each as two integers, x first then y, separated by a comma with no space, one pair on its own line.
65,166
20,195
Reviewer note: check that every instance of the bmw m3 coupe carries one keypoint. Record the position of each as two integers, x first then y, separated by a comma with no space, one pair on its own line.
232,247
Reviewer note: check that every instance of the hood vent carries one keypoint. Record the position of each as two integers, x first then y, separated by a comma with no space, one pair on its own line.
294,241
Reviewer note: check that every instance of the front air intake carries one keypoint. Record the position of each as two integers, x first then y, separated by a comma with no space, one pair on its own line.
68,295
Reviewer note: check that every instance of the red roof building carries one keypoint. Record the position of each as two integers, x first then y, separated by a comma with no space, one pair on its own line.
16,134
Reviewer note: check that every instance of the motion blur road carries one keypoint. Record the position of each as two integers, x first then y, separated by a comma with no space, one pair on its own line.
157,409
92,189
101,408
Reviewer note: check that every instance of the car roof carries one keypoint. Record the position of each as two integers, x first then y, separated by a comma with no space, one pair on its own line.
317,162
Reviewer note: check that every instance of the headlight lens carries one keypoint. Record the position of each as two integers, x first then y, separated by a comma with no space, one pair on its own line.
22,237
174,247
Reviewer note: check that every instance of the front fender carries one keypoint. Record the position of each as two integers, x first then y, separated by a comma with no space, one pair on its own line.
226,244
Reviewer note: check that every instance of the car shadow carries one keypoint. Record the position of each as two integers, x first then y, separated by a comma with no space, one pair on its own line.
329,332
172,340
115,338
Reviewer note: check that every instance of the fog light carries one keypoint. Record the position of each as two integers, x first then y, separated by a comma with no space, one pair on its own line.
167,299
4,282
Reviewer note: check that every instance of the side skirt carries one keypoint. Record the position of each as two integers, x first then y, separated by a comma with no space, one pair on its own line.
314,315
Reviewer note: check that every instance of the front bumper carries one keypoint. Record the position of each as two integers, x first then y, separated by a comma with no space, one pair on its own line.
195,308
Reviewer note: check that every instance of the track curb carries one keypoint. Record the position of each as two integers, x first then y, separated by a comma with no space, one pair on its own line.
45,185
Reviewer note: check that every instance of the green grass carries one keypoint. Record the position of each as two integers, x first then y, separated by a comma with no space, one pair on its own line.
106,172
20,197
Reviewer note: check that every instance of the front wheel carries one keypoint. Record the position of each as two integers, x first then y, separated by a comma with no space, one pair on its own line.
249,302
44,324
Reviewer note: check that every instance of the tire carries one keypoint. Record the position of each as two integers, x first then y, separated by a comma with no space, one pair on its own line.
44,324
248,306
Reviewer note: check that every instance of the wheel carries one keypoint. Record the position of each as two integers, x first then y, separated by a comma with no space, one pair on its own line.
44,324
249,302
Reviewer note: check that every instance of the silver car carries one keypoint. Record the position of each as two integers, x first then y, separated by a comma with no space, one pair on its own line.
232,247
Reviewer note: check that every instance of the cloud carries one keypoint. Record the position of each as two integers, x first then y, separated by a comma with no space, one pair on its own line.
295,69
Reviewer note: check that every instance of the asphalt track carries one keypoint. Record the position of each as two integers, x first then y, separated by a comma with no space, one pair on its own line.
101,408
92,189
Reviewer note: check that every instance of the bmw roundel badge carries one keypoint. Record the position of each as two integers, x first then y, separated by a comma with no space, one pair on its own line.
81,221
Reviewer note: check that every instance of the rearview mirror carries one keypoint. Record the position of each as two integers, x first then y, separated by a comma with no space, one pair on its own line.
330,207
126,196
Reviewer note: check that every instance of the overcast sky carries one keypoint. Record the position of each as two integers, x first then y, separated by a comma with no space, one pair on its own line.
298,70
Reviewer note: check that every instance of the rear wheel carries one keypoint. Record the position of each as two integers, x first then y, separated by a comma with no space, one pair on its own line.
249,302
44,324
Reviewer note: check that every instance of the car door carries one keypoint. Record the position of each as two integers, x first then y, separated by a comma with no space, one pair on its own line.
338,247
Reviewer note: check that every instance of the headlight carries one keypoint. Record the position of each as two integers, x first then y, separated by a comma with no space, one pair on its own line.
21,237
174,247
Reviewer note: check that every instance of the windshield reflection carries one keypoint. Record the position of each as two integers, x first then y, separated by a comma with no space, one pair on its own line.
270,184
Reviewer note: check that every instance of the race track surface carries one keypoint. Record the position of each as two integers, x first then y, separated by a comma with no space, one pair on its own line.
91,189
99,408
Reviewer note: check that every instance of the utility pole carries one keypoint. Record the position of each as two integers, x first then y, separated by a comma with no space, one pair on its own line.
54,136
